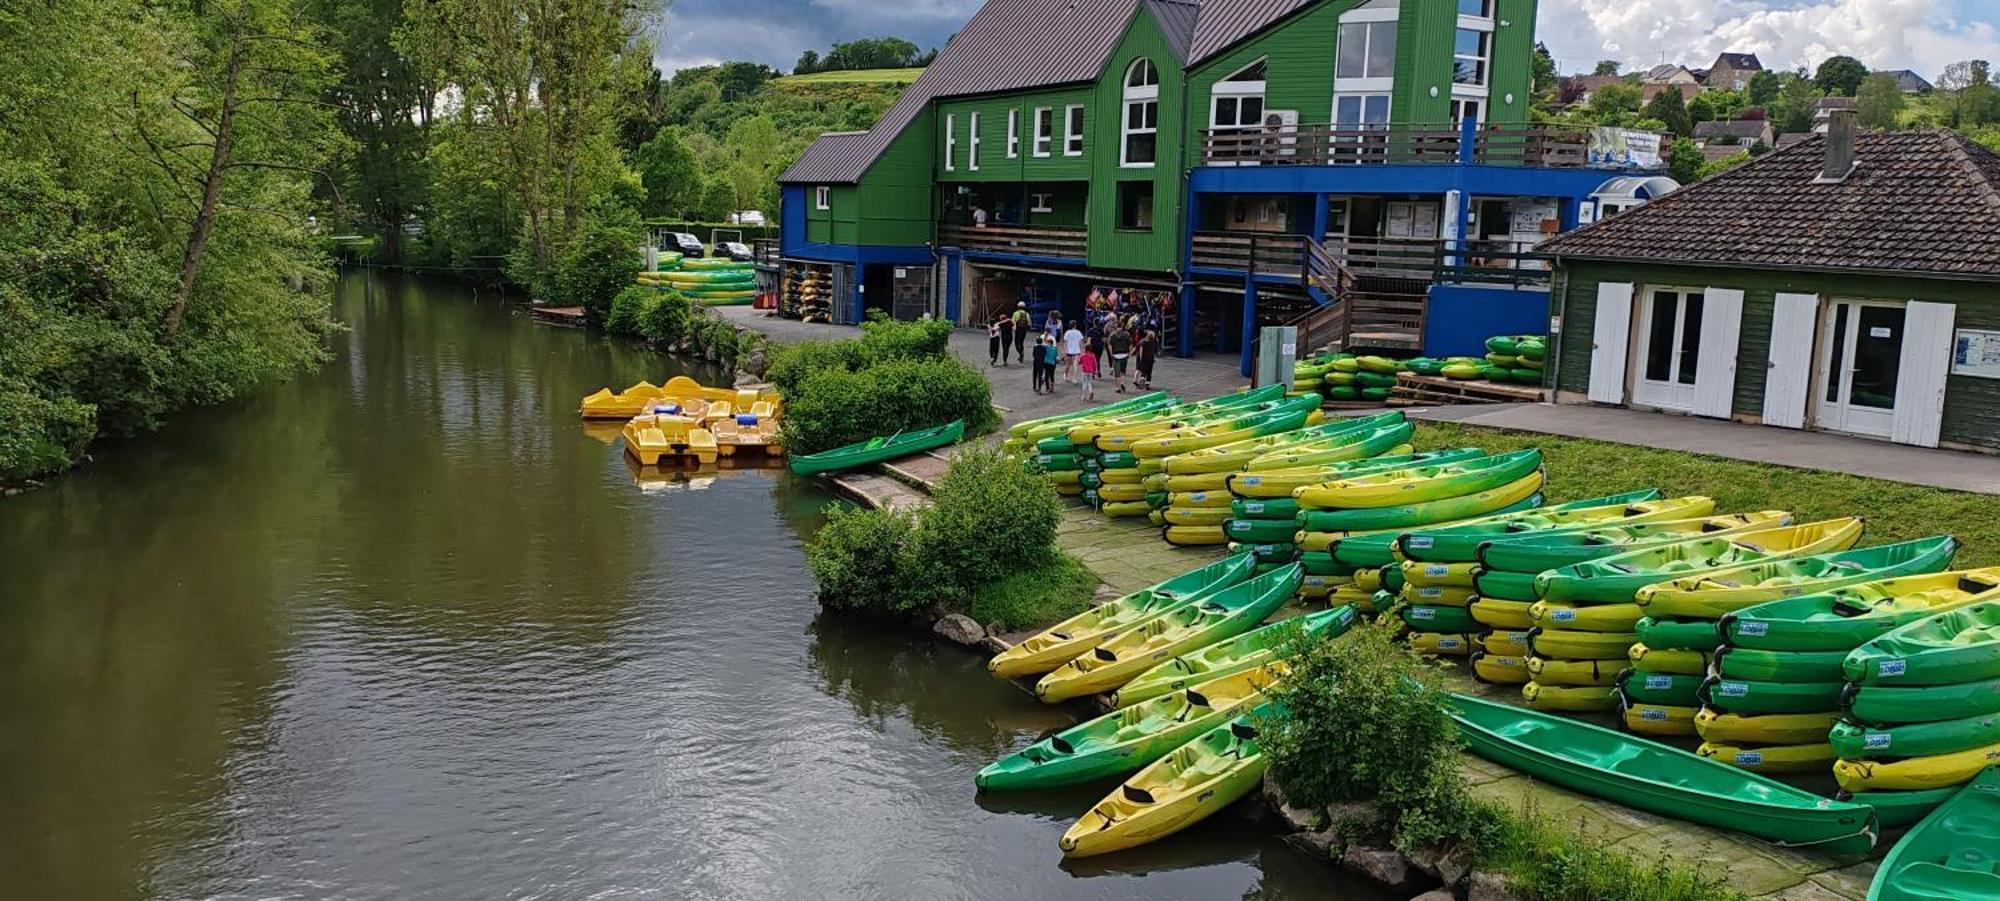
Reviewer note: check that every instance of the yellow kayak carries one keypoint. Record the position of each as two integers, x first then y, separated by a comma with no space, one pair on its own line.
1270,483
1505,642
1224,614
1058,644
1233,456
1812,758
1198,516
1586,618
1175,792
1667,660
1915,773
1575,672
1569,698
1499,669
1502,614
1201,481
1659,719
1770,729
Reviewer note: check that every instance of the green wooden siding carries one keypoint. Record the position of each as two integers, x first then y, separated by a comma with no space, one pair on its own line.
1513,73
1157,249
994,166
1298,55
1425,35
1971,405
894,195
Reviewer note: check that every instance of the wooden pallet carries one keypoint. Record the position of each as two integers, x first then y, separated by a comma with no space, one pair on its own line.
570,316
1429,390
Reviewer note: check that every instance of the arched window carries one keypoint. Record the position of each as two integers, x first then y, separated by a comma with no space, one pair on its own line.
1140,126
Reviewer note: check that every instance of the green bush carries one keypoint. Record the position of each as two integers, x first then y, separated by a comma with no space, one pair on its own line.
666,319
1037,596
833,407
882,339
1365,720
39,435
886,339
988,518
628,308
602,260
859,561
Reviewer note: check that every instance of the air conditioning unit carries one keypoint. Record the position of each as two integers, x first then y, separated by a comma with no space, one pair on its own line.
1283,125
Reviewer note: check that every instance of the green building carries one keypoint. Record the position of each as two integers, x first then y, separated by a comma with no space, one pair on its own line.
1328,163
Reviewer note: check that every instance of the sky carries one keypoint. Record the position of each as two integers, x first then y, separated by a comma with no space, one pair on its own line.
1924,35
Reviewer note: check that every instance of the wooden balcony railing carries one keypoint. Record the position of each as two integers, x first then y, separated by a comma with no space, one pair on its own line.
1323,264
1263,253
1553,146
1024,240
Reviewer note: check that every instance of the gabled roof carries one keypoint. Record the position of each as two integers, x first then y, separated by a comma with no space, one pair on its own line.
1910,81
1917,202
1737,61
1012,45
1742,128
1660,73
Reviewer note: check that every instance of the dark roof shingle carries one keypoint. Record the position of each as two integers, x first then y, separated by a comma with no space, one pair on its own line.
1917,202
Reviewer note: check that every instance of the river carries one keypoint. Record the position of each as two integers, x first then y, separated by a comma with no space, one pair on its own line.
403,628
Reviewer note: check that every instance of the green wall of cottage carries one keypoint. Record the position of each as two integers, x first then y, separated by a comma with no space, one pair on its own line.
1157,249
1298,54
1971,405
890,206
1425,36
994,166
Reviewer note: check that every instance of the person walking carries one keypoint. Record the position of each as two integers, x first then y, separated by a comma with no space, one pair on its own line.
1093,346
1087,367
1054,327
1072,348
1024,322
1006,336
1148,347
1050,355
993,343
1119,342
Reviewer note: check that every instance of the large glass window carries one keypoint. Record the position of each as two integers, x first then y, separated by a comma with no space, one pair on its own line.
1135,205
1139,128
1470,55
1361,110
1238,101
1367,50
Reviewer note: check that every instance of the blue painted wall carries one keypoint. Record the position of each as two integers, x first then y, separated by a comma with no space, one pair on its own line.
1461,318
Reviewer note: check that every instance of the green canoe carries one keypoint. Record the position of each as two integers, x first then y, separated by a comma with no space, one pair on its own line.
1251,649
1521,494
1224,614
1663,689
1896,809
1141,402
1853,741
1125,740
1746,698
1459,542
1711,595
1959,645
1692,635
1756,664
1884,705
878,449
1060,643
1445,620
1953,854
1618,578
1535,552
1423,483
1655,777
1847,618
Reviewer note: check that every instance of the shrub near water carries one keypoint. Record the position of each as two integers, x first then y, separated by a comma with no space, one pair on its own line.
834,407
859,561
989,517
882,340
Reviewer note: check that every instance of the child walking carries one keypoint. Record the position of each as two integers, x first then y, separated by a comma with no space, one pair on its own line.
1051,357
1087,366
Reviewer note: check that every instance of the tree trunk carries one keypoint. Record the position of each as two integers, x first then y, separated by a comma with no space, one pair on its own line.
211,192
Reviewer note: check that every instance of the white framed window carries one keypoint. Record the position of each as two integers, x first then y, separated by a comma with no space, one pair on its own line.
1041,203
972,143
1013,134
1073,130
1367,45
1045,127
1236,103
1139,126
1472,50
822,198
1463,108
1478,9
1352,111
950,142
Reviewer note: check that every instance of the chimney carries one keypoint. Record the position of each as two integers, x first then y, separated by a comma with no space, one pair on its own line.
1840,160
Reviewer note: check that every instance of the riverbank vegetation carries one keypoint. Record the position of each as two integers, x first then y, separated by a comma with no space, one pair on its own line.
896,375
1365,726
984,546
1580,468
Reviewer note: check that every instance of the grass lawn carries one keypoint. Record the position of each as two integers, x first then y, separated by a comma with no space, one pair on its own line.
1036,597
1580,468
865,76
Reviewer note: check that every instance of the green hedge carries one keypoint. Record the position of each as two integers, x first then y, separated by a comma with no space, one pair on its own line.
860,559
881,340
38,435
834,407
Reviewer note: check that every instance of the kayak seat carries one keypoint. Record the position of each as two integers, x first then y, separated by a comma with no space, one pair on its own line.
1935,880
1976,585
1137,795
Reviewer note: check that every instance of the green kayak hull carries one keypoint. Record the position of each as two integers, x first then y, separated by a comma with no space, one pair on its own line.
1891,705
1747,698
1224,614
1618,579
1853,741
1850,617
1321,563
1667,633
1759,665
1952,853
1428,483
1663,689
1538,552
1273,508
1727,591
1021,430
1058,462
1502,585
1260,531
1365,550
877,450
1959,645
1654,777
1116,743
1446,620
1460,543
1896,809
1499,499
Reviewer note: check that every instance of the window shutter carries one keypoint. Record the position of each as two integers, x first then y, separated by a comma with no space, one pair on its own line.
1610,333
1788,377
1715,372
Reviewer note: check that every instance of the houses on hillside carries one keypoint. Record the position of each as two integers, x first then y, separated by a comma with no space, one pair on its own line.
1363,170
1732,71
1850,283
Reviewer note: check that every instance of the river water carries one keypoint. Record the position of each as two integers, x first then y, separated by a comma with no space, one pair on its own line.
404,628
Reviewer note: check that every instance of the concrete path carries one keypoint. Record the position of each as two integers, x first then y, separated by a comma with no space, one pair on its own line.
1959,470
1196,378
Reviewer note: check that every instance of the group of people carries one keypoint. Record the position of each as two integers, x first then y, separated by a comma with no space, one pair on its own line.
1080,351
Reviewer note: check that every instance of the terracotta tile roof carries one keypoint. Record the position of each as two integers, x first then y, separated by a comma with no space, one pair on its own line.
1918,202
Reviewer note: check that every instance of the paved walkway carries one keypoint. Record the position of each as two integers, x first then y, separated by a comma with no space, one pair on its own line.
1959,470
1195,378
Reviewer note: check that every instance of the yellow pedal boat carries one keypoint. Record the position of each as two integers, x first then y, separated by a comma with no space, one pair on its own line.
653,437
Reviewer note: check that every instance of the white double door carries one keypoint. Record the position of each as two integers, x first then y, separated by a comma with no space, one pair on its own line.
1686,354
1861,360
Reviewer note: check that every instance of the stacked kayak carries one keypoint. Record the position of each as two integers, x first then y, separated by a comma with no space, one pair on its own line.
1218,616
1780,680
1262,510
710,282
1922,703
1122,433
1176,791
1202,508
1124,474
1514,358
1252,649
1641,773
1679,618
1585,614
1952,854
1062,642
1021,436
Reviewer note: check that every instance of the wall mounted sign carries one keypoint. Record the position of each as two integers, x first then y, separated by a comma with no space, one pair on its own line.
1976,352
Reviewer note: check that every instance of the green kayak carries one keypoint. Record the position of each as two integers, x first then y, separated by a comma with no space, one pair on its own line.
1281,483
1273,508
1693,635
1446,620
1953,854
1321,563
1504,586
1251,649
1618,578
1235,456
1374,437
1535,552
1260,531
1756,664
1459,542
1746,698
1713,594
878,449
1060,643
1959,645
1125,740
1057,462
1521,494
1224,614
1423,483
1222,413
1079,435
1896,809
1847,618
1052,435
1662,689
1024,430
1853,741
1655,777
1884,705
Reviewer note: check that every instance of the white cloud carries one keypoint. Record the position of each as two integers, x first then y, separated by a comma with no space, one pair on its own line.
1885,34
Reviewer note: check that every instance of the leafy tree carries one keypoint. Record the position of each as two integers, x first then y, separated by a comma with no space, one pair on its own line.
382,104
1797,102
1764,87
1880,101
1668,107
601,260
668,171
1970,98
736,81
1724,164
808,63
1613,101
1684,161
1606,67
1840,76
1543,79
871,53
718,197
1715,105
